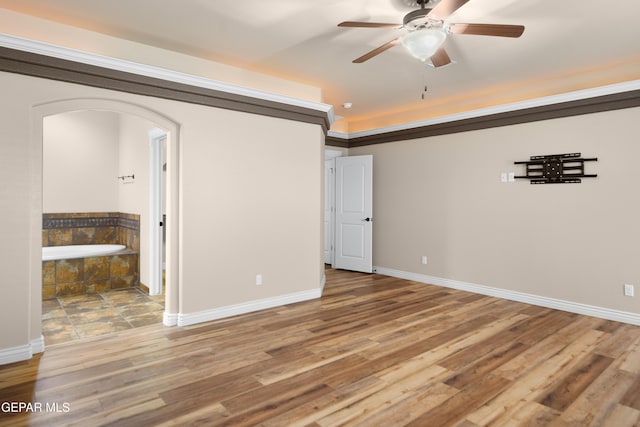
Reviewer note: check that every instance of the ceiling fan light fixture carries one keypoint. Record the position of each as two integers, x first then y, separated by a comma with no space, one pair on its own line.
424,42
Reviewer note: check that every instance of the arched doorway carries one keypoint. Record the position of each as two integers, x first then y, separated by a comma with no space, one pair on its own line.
171,128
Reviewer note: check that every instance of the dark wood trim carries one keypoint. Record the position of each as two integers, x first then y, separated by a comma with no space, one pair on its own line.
336,142
42,66
36,65
598,104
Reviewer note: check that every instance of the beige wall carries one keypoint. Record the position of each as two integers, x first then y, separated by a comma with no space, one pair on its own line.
255,185
16,197
442,197
80,162
250,191
133,197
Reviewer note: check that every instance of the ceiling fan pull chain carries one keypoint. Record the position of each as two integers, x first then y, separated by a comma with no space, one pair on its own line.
426,87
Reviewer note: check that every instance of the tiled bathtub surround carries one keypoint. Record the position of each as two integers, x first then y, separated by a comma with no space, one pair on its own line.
91,228
92,274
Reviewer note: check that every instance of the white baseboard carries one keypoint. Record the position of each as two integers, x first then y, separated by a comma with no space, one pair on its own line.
572,307
15,354
246,307
169,319
37,345
23,352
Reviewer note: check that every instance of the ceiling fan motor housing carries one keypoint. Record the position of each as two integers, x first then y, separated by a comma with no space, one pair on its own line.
418,19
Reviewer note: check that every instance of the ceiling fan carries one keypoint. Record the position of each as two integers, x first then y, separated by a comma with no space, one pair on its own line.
426,31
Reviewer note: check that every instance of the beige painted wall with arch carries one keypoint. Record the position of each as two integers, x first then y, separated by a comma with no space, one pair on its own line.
250,202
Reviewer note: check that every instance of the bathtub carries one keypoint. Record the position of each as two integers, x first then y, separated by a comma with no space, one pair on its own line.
51,253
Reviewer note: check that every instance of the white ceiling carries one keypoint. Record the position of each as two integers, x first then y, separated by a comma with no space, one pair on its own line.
567,45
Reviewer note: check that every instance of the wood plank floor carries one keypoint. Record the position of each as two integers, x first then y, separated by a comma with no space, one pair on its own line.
374,351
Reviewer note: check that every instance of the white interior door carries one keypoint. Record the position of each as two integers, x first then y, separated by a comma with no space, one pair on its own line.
329,184
354,207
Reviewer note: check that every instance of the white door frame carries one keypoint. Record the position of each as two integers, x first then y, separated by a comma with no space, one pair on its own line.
157,137
330,195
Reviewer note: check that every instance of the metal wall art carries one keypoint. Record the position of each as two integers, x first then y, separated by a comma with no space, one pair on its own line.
556,168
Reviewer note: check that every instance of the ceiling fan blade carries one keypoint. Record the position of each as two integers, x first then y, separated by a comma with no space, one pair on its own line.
356,24
376,51
498,30
446,8
440,58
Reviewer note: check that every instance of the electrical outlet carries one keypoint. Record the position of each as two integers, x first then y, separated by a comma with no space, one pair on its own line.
628,290
424,259
258,279
503,177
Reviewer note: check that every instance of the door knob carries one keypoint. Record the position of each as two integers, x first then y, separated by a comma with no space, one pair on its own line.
366,219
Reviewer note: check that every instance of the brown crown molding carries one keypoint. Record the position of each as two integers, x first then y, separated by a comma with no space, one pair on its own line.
598,104
336,142
37,65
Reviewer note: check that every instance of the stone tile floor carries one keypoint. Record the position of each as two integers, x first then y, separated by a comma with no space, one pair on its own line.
75,317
